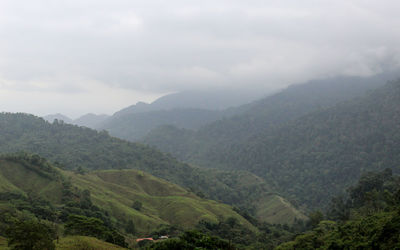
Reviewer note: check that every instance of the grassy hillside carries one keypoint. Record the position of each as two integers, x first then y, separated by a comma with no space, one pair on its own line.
115,192
84,242
162,202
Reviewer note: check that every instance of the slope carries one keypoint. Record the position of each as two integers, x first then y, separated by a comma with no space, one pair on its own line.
72,148
113,191
198,147
134,126
318,155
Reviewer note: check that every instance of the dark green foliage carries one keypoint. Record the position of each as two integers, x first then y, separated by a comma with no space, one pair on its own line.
315,218
193,240
373,220
319,153
130,227
89,226
137,205
30,235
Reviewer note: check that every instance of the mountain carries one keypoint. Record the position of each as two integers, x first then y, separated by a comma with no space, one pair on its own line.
317,155
289,104
60,117
134,126
90,120
210,99
71,148
188,109
307,153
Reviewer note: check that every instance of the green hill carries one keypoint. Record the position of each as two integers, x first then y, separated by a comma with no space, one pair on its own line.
114,192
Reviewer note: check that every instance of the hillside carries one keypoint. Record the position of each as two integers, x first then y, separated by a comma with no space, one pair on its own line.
134,126
368,217
71,147
319,154
114,192
290,104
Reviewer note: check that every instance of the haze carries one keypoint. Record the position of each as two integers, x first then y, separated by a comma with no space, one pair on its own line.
97,56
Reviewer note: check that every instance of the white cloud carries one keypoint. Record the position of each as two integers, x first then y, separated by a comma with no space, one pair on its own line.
136,48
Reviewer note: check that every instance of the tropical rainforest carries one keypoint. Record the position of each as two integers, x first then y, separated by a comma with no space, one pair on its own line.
314,166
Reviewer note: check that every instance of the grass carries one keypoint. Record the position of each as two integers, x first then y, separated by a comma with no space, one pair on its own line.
14,176
84,243
115,191
163,202
274,209
3,243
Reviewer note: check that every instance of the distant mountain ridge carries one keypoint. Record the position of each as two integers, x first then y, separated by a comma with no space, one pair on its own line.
89,120
212,99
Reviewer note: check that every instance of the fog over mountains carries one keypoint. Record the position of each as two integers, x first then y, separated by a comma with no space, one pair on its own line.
234,125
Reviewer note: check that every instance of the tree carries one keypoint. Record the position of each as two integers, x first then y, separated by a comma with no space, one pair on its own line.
130,227
137,205
30,235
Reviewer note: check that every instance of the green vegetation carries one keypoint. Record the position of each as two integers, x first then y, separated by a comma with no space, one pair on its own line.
84,242
368,218
81,149
30,235
134,126
99,204
319,153
193,240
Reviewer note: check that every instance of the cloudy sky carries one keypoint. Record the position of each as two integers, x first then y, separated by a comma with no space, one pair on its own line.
80,56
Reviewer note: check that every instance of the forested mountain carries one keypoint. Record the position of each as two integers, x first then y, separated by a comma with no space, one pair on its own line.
72,147
134,126
317,155
289,104
188,109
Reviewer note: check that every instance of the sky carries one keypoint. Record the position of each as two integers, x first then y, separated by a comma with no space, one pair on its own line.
80,56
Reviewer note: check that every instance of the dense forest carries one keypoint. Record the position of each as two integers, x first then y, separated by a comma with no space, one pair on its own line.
319,153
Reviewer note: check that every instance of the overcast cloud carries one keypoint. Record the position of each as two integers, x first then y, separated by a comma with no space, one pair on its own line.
99,56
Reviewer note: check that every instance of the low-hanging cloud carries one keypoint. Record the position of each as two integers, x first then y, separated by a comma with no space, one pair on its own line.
151,47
